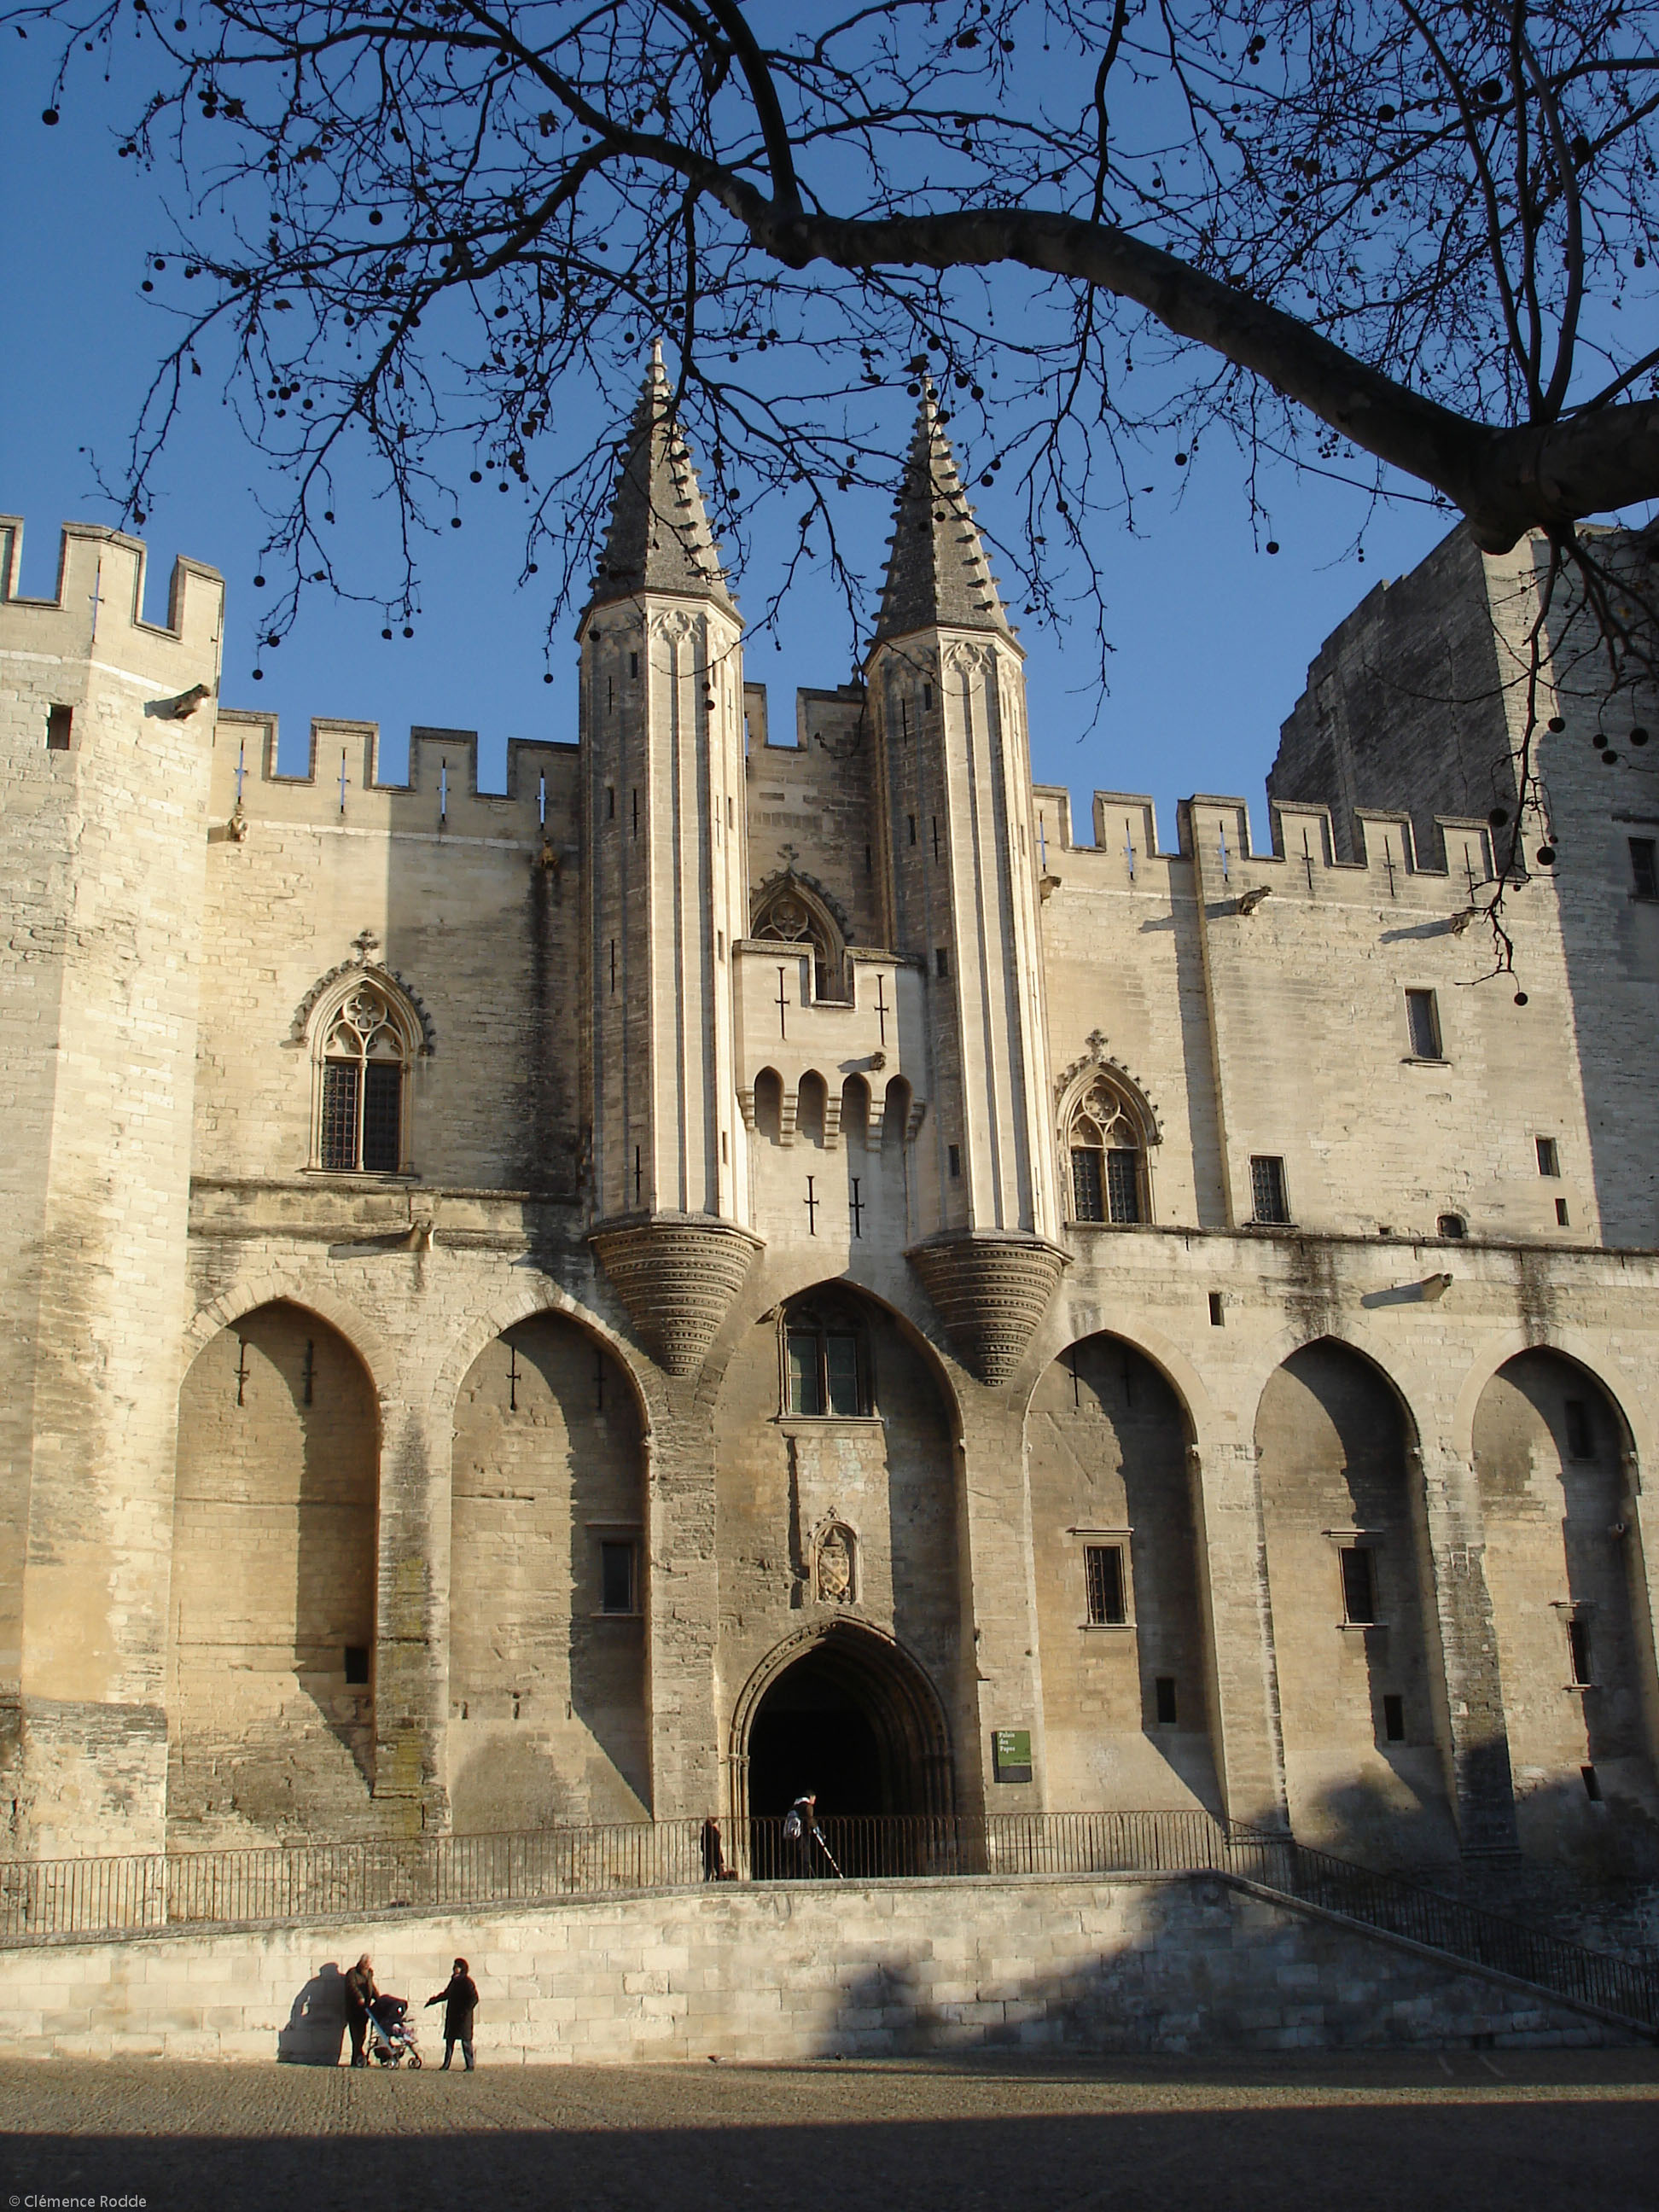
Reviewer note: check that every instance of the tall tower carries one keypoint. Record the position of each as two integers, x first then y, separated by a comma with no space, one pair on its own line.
667,897
947,691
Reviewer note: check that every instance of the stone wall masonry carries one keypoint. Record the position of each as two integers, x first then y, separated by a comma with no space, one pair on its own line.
794,1971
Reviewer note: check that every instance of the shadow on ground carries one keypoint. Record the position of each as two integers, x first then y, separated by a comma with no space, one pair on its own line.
1471,2134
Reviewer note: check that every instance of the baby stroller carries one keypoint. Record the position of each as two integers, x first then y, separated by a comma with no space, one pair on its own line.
392,2036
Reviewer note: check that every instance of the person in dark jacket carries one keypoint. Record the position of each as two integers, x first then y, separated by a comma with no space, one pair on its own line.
359,1994
459,1999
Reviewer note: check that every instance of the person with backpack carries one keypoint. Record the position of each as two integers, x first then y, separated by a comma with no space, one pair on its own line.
459,1999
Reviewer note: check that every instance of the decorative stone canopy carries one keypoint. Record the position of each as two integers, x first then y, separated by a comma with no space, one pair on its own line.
991,1290
938,576
660,539
678,1274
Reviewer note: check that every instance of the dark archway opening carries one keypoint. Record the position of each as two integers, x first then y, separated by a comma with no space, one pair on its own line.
854,1720
812,1732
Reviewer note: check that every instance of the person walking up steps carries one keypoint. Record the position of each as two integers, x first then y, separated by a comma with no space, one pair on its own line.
459,1999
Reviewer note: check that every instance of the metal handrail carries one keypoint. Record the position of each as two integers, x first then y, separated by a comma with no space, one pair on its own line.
55,1897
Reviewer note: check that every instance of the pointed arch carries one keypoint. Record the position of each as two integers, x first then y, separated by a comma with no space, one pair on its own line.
365,1032
1105,1127
791,909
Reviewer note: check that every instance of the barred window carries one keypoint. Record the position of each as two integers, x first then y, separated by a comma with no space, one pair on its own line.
1108,1156
1102,1575
1267,1189
367,1041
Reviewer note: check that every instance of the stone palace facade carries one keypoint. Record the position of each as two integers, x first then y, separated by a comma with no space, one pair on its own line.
751,1259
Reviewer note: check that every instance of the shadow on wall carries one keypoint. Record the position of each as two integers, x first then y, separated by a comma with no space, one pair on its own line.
314,2032
1186,1967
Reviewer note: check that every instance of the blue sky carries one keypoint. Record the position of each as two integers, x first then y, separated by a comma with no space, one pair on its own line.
1213,635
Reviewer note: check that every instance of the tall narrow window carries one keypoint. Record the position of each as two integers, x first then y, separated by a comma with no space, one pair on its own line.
367,1043
1578,1651
1267,1189
1423,1024
1103,1576
1549,1159
1163,1700
1581,1437
60,722
617,1577
1644,867
1358,1587
1108,1159
1393,1718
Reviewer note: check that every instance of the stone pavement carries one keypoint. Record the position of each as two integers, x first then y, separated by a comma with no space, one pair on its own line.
1479,2132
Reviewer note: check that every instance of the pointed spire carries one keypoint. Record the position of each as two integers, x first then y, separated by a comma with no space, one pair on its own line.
660,539
937,574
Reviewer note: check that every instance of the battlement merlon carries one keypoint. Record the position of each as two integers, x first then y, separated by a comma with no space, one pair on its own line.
97,614
440,794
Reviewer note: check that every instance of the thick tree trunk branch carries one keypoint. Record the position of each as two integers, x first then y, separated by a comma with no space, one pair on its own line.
1505,481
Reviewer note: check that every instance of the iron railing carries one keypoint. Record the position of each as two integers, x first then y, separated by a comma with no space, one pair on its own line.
1623,1986
43,1898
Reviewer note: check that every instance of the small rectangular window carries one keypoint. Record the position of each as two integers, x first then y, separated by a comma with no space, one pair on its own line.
955,1162
1581,1437
616,1577
1163,1694
1102,1577
841,1374
356,1662
1563,1219
1217,1315
1578,1649
1267,1189
60,721
633,664
1358,1587
1423,1024
383,1086
610,802
941,960
1088,1193
911,820
1393,1719
1549,1160
805,1385
927,694
339,1133
1123,1184
1592,1784
1644,866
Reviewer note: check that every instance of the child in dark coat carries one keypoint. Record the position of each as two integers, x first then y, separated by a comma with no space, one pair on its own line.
459,1999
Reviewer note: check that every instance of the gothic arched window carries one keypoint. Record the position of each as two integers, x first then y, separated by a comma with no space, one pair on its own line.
1107,1155
366,1038
788,914
826,1359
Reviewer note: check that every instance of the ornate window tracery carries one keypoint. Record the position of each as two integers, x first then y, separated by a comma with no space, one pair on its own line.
787,913
1106,1149
366,1034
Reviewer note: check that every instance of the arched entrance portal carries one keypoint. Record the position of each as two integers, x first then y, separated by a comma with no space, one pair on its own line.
844,1711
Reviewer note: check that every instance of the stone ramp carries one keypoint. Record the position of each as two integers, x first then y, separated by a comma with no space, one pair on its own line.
1174,1964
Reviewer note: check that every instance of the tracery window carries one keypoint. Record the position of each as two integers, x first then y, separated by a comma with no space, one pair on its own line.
826,1360
1108,1156
366,1041
787,916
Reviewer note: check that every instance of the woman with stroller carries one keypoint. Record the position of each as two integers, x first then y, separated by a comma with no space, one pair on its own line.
359,1994
459,1999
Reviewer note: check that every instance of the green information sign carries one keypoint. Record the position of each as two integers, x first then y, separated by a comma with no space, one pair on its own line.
1011,1751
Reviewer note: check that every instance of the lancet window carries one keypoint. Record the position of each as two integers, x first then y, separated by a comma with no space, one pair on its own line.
787,914
1106,1148
367,1040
